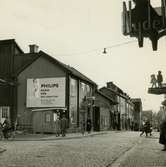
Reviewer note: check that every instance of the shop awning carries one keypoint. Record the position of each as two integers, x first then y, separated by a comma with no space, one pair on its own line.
46,109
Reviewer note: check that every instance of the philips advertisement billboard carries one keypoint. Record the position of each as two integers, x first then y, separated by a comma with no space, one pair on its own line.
46,92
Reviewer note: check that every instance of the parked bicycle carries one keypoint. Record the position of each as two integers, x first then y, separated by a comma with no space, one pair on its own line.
7,130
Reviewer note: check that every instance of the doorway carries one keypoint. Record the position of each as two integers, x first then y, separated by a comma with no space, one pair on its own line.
96,118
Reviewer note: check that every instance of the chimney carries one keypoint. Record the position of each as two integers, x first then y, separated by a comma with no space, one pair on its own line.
33,48
109,84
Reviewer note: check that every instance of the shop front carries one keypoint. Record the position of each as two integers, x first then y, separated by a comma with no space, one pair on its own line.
44,93
46,100
44,119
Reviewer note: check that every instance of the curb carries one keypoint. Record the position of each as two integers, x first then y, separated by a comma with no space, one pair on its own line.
57,138
123,156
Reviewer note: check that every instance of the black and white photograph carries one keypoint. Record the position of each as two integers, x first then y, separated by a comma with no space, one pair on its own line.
83,83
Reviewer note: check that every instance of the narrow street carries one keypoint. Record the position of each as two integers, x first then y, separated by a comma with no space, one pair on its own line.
112,149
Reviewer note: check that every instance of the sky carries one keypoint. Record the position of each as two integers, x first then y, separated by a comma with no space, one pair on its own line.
76,31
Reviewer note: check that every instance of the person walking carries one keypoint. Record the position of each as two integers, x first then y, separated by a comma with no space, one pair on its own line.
58,126
64,125
83,127
1,131
159,79
162,139
89,125
143,128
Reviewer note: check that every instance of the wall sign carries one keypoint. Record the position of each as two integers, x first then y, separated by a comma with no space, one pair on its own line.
46,92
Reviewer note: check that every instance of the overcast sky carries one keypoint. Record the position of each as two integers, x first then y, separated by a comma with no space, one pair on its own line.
76,31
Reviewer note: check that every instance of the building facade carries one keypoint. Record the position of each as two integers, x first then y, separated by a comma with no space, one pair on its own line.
8,51
103,111
61,89
123,110
137,113
35,88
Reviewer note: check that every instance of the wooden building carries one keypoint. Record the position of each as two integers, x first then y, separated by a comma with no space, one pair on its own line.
103,111
8,50
35,87
47,88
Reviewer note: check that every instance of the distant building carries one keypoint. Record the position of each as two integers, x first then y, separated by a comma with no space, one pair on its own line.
103,111
123,111
137,121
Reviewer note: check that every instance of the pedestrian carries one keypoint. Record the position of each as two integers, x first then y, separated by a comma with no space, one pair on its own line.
162,139
58,126
64,125
13,128
1,131
89,125
143,128
6,127
147,128
159,79
83,127
153,81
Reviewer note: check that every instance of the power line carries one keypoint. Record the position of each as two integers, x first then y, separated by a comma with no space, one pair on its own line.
97,50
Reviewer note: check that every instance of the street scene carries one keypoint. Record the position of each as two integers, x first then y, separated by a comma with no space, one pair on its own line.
83,83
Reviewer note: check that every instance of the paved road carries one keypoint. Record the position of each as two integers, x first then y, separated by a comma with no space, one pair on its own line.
147,153
96,151
115,149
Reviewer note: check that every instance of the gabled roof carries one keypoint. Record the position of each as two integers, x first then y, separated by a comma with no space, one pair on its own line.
109,93
119,92
106,97
22,61
29,58
9,41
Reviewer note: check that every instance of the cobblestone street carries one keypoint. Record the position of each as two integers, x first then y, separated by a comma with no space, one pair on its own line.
106,150
95,151
147,153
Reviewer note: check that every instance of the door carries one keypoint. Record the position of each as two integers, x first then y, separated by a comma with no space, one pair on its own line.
47,121
37,121
42,121
96,118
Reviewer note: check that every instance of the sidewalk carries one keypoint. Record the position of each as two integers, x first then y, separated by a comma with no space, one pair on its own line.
44,137
147,153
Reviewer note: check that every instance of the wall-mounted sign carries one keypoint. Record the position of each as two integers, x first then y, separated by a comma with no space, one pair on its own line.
46,92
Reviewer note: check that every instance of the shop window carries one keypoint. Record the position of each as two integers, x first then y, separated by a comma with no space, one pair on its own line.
73,100
5,112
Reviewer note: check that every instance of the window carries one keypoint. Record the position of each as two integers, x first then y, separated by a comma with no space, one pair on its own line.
48,118
73,100
5,112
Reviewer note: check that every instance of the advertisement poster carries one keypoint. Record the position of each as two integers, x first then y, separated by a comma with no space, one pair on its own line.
46,92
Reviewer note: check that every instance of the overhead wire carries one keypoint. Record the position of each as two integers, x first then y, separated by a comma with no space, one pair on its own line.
99,50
